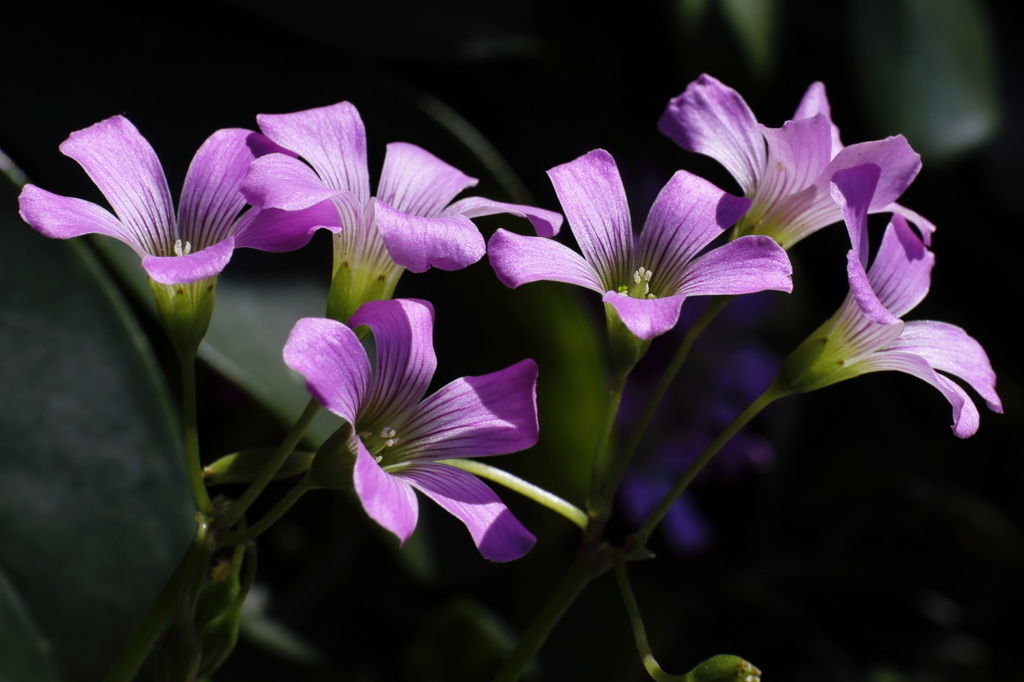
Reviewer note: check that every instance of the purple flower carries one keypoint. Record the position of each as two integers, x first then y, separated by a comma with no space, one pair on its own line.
195,245
410,223
646,284
399,438
786,171
867,334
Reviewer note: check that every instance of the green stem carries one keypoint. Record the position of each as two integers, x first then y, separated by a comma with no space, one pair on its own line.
639,539
639,633
575,579
238,509
134,653
598,507
275,513
622,461
525,488
195,466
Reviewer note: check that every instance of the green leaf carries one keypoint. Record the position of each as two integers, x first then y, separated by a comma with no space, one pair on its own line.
94,502
929,72
25,655
753,23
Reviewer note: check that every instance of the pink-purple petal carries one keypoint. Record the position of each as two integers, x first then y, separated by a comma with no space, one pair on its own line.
591,193
899,163
965,414
418,244
128,173
797,153
332,139
688,214
210,198
389,500
815,102
403,331
62,217
518,260
711,118
852,189
646,318
416,182
545,223
923,225
901,272
864,295
276,230
192,267
280,181
743,266
949,348
330,357
495,531
493,414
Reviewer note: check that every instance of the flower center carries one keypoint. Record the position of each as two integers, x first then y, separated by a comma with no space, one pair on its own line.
387,438
179,251
641,287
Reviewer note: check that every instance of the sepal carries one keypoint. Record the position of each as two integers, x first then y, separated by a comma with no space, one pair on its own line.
724,668
625,348
333,463
354,283
185,312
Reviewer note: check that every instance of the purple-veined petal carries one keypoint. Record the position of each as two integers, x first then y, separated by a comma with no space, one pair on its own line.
416,182
965,414
545,223
493,414
923,225
261,145
387,499
687,216
743,266
852,189
646,318
901,273
797,153
403,331
865,296
280,181
518,260
128,173
418,244
711,118
816,102
496,532
591,193
191,267
332,139
62,217
948,348
210,198
275,230
334,363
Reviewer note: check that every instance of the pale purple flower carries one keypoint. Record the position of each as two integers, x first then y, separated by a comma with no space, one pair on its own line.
645,283
196,244
786,171
399,437
867,334
411,223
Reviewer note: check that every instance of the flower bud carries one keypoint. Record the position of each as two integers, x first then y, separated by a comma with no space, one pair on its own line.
724,668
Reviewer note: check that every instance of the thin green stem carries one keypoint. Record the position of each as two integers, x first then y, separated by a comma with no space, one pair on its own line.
188,416
575,579
639,633
525,488
138,647
597,507
275,513
639,539
238,508
622,461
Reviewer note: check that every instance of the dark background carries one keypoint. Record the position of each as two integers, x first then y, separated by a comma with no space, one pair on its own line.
879,547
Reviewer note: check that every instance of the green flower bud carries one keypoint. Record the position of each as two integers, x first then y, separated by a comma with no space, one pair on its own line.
358,279
185,312
724,668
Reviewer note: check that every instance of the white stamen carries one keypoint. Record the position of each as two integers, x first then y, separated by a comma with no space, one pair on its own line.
377,459
179,251
387,432
390,441
647,275
636,277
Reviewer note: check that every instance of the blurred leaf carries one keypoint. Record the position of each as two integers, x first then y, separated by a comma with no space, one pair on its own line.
259,628
929,72
753,22
25,654
692,11
94,504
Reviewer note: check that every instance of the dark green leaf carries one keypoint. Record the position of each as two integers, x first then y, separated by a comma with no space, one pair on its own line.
25,655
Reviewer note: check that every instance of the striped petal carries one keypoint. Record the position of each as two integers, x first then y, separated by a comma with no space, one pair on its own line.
646,318
330,357
62,217
418,244
901,273
518,260
416,182
210,198
192,267
546,223
389,500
